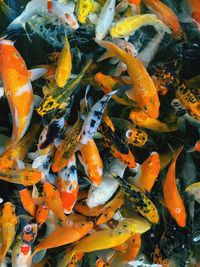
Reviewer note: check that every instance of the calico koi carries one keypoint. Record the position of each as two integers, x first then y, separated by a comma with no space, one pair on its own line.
67,183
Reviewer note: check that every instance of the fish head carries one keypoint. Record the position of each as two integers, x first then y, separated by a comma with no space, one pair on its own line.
150,106
29,232
136,224
152,163
95,175
42,214
8,214
50,191
83,227
105,82
137,137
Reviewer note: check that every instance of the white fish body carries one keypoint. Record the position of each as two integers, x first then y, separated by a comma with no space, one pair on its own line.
20,259
93,119
105,19
99,195
149,52
40,7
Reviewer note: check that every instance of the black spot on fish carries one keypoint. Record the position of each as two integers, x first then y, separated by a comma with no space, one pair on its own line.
92,123
98,114
52,133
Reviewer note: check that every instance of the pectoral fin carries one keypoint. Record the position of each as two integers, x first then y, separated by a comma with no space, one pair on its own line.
37,73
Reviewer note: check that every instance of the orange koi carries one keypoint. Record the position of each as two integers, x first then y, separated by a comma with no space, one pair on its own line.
141,119
67,148
148,173
144,91
133,245
107,84
64,235
27,201
8,221
53,200
26,177
68,185
17,87
91,161
42,214
165,14
111,207
172,198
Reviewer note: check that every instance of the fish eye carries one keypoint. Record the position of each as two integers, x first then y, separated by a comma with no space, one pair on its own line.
146,108
27,228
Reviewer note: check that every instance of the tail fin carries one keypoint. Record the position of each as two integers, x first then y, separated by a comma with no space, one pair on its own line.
177,152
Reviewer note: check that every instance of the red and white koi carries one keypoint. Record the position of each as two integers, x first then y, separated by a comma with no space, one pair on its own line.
68,185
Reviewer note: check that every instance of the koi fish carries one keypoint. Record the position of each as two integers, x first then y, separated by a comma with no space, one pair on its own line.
50,133
136,225
101,194
118,145
136,137
26,177
42,161
64,66
158,259
142,120
83,208
67,184
149,52
107,83
127,26
165,14
64,235
188,97
40,7
53,200
133,245
68,146
13,157
21,255
17,87
94,117
60,98
96,241
144,92
194,189
148,173
92,162
139,201
83,9
172,198
42,214
27,201
8,221
111,207
105,19
29,233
